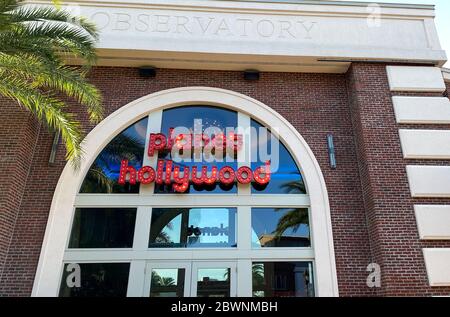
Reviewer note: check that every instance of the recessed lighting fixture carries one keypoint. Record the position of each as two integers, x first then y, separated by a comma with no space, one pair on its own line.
251,74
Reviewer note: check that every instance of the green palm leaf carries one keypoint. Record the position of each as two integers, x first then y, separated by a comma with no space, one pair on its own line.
34,42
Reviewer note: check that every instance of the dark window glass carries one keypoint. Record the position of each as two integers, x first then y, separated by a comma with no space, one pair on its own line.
167,283
103,228
280,227
213,282
286,177
96,280
193,228
282,279
211,117
104,172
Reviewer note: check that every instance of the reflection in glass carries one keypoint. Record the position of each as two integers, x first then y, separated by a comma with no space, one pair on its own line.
97,280
213,282
210,117
282,279
167,283
286,177
104,172
193,228
280,227
103,228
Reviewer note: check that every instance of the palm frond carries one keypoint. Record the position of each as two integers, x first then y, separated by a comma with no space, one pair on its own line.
8,5
42,48
33,42
65,38
49,109
297,186
66,79
100,178
49,14
292,219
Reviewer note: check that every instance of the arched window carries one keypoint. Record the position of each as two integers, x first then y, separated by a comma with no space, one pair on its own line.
141,227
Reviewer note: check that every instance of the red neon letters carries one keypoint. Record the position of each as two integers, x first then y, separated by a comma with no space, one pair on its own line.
170,174
180,179
220,142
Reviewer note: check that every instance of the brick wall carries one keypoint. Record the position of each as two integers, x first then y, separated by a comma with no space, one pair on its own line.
316,104
18,132
391,222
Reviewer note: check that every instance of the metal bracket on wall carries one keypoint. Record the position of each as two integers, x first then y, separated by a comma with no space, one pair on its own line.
331,151
52,157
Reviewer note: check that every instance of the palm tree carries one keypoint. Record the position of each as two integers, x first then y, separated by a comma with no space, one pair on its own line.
34,41
292,219
121,147
258,274
158,280
295,187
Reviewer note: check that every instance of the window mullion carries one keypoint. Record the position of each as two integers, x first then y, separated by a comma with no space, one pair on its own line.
136,278
244,278
244,226
142,228
244,155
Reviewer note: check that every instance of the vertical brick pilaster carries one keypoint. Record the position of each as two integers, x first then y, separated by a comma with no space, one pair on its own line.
389,207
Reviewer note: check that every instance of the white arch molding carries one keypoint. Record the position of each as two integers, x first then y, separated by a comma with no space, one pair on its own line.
49,269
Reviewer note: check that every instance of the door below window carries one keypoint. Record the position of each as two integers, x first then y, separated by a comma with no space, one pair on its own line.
190,279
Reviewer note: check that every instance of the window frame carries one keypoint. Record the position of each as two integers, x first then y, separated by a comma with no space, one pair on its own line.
46,282
146,199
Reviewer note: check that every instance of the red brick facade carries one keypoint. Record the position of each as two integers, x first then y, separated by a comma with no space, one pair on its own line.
371,209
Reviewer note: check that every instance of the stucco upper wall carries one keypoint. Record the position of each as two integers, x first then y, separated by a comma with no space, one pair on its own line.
275,35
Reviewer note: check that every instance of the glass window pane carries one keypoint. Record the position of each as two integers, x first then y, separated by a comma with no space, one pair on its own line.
103,228
193,228
96,280
282,279
104,172
213,282
280,227
167,283
210,117
285,175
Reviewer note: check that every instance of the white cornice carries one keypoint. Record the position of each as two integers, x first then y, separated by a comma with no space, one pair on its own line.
326,8
344,3
269,35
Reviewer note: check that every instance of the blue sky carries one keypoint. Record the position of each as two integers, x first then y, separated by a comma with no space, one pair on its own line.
442,19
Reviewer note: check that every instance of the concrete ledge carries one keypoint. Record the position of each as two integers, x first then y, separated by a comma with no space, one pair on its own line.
422,110
433,222
425,144
437,262
415,78
429,181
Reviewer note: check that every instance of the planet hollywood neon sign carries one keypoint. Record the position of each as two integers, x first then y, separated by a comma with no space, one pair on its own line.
168,173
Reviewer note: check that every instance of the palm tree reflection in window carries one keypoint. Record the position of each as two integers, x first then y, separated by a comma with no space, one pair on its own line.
161,281
280,227
282,279
163,236
295,187
103,174
167,283
293,218
193,228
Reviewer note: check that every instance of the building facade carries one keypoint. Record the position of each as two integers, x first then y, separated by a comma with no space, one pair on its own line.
354,96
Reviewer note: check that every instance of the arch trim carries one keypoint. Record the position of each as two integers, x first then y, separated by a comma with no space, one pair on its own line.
49,268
